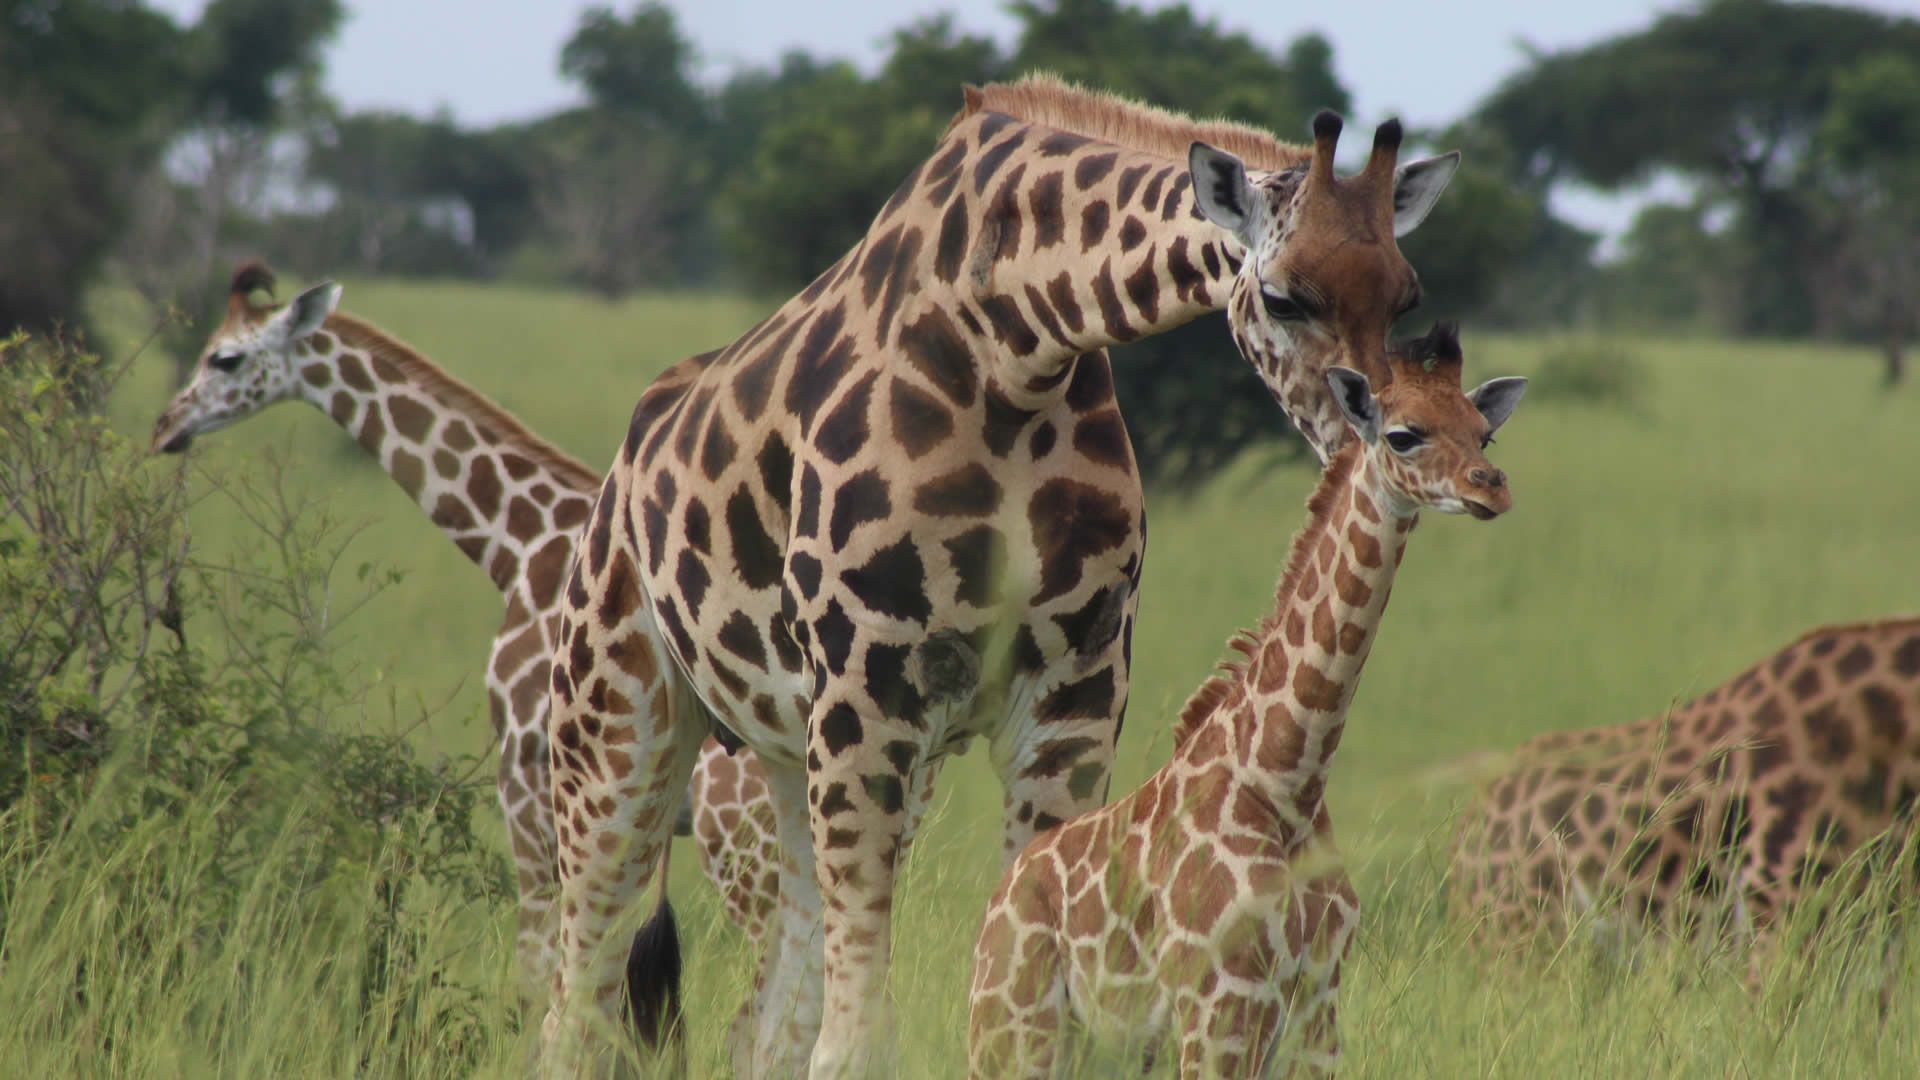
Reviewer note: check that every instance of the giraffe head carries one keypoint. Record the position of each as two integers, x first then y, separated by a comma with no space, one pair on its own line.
1322,279
1424,438
249,363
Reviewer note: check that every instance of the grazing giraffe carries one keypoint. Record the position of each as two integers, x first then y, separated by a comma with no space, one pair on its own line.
1210,900
903,512
1715,816
512,503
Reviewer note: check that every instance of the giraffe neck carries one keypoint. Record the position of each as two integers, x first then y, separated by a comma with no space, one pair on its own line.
495,489
1285,708
1063,245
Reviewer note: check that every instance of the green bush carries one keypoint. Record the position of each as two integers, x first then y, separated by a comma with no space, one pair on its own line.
169,778
1597,371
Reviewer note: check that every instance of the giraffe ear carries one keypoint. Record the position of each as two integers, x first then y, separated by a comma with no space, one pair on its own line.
1417,186
1496,399
305,313
1221,188
1354,395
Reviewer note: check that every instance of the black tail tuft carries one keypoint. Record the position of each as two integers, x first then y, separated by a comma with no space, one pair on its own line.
653,978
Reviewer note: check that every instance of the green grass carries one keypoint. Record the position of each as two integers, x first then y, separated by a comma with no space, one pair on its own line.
1750,492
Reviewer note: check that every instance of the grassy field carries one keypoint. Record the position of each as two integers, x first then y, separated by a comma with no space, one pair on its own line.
1750,492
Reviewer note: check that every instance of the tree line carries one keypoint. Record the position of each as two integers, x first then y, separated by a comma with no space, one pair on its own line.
154,152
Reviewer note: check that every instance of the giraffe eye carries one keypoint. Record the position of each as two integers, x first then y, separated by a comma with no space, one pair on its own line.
225,361
1404,441
1283,308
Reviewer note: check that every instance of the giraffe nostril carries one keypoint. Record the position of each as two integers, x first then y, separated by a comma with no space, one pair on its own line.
1488,478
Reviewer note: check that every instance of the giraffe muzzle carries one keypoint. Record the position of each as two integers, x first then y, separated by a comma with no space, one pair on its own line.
169,437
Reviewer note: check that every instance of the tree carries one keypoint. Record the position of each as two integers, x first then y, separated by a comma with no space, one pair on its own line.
1174,59
1470,252
381,166
86,90
603,194
1731,93
622,187
1664,278
833,146
637,67
250,64
1870,140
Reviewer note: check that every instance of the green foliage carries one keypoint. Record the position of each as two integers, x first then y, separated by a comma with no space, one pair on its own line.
638,67
853,140
168,758
1599,371
1871,141
1726,90
1734,94
1177,60
85,90
1875,112
245,48
1476,234
1665,276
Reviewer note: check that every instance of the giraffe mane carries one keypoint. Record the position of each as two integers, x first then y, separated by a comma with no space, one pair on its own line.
1230,679
455,394
1050,100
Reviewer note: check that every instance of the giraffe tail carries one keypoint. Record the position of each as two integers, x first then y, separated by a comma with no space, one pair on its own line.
653,973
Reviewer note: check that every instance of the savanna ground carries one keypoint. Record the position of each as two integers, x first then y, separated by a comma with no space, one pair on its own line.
1739,494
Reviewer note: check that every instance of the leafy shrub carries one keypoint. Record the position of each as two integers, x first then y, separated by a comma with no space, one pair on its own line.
1597,371
165,752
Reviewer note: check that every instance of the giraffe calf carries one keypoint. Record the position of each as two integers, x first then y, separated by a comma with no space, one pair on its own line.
1210,903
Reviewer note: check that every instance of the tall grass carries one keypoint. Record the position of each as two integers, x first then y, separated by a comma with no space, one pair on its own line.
1752,491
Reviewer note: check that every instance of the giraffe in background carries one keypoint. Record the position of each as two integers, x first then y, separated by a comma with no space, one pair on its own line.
512,503
1715,816
1210,901
903,512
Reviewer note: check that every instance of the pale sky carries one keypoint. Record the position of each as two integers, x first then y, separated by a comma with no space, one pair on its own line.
494,60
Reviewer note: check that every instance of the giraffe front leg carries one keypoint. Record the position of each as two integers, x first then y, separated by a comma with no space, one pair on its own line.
622,740
1056,772
1222,1035
1017,1006
526,802
860,769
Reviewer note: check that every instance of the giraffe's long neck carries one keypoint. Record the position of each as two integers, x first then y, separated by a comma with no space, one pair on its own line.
501,494
1289,701
1062,245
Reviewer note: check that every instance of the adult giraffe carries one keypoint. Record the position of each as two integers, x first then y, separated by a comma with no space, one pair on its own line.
512,503
903,512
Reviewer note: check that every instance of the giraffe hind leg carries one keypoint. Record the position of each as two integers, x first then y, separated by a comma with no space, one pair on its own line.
623,731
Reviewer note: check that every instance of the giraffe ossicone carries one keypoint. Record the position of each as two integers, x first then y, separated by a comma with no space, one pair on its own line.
920,449
1210,903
